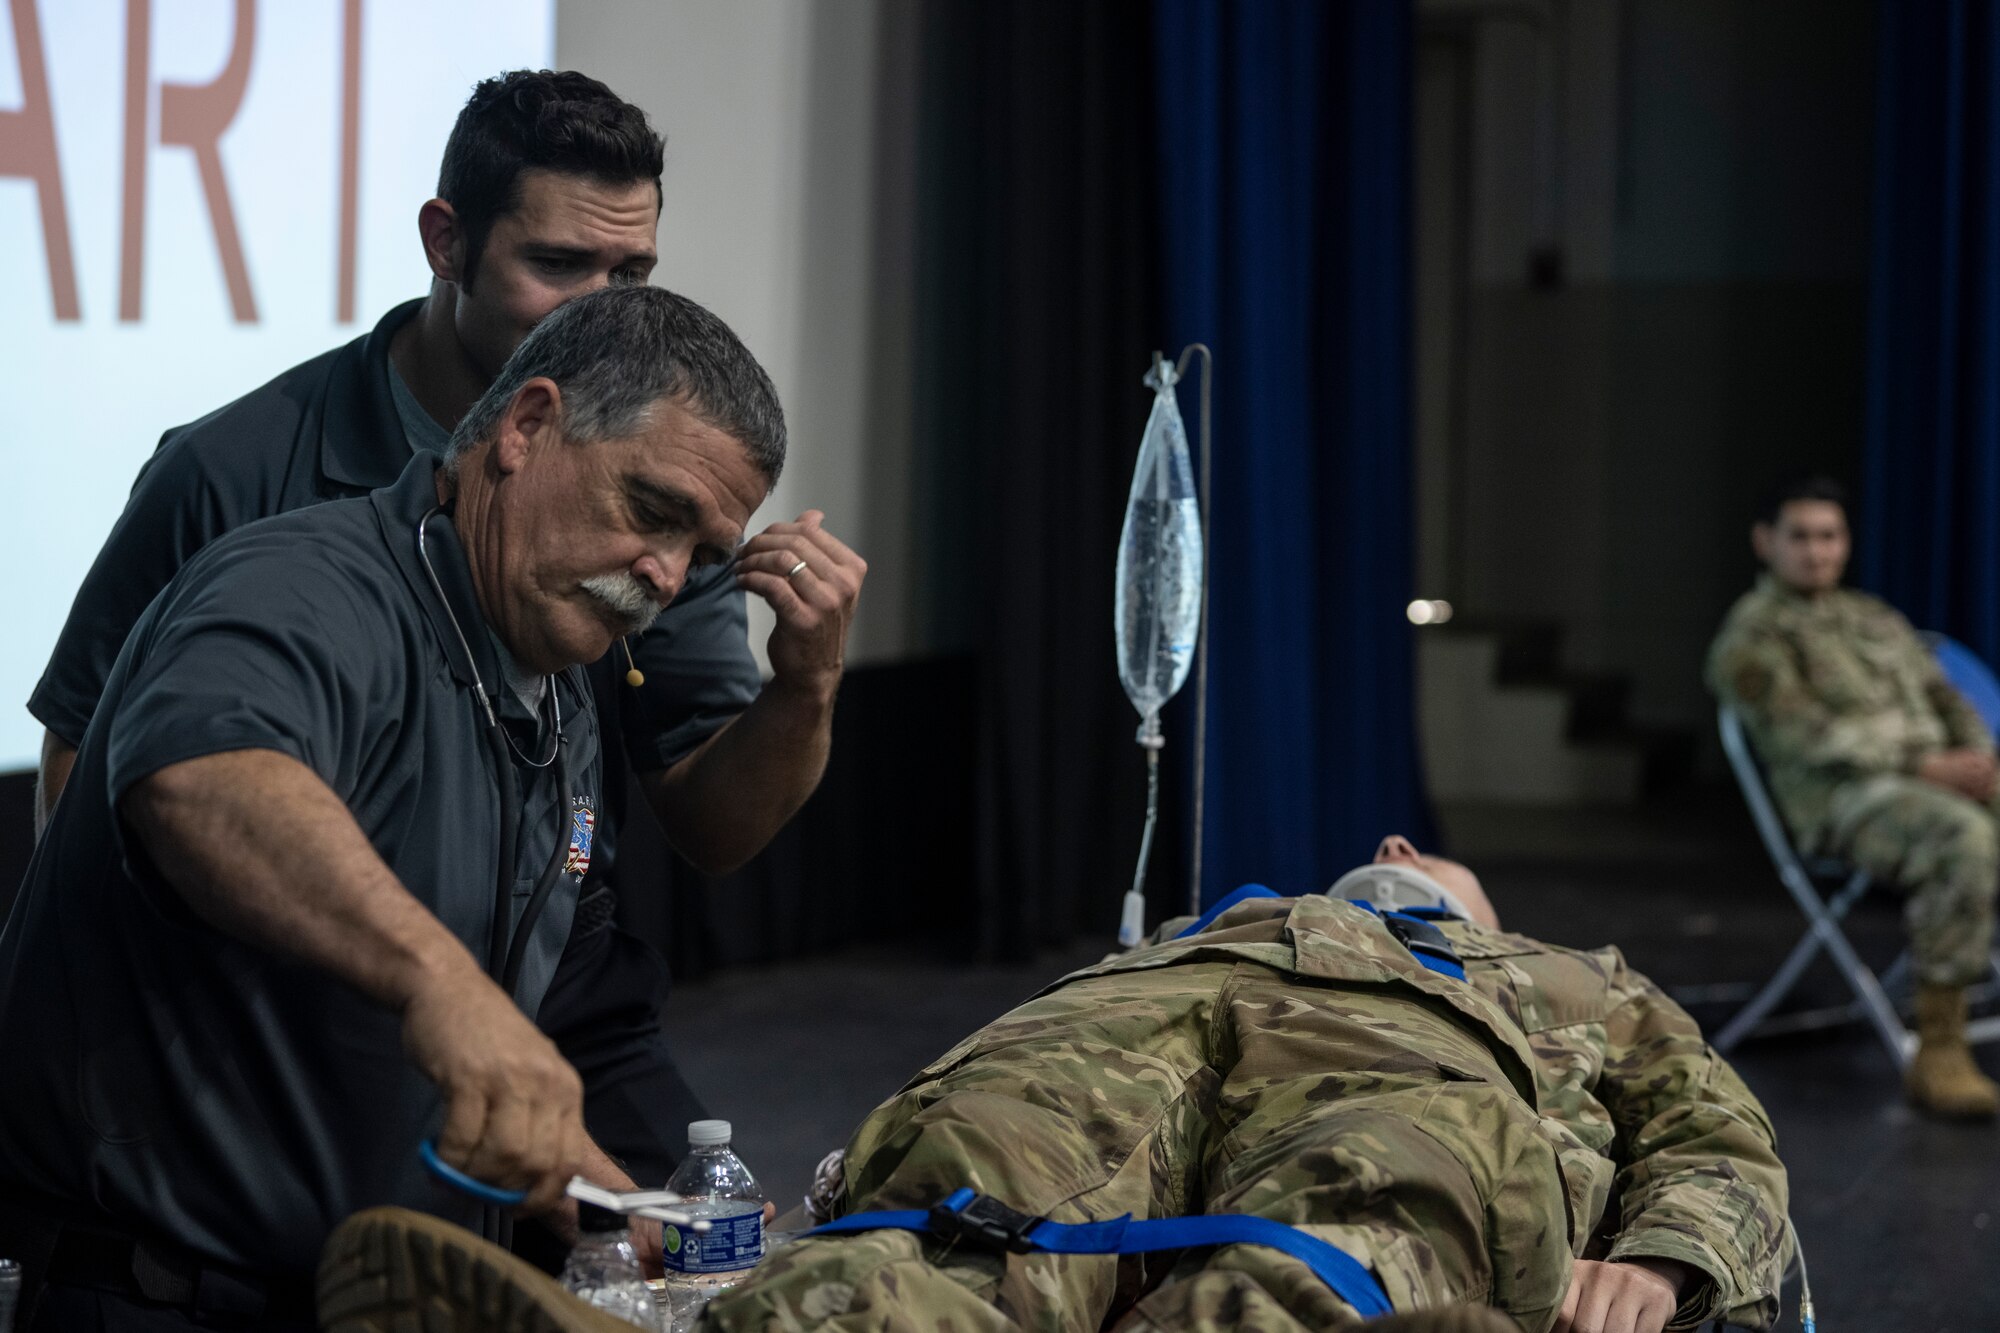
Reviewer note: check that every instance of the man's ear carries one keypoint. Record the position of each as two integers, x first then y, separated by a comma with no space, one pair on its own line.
443,238
532,424
1760,541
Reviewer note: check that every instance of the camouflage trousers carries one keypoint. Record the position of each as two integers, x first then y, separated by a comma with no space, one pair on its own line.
1938,848
1382,1127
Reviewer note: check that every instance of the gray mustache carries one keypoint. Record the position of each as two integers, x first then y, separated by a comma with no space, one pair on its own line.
626,598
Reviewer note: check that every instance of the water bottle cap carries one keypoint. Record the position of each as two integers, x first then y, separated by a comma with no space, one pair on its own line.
593,1220
708,1133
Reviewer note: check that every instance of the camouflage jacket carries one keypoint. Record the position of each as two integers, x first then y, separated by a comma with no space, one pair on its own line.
1665,1153
1833,688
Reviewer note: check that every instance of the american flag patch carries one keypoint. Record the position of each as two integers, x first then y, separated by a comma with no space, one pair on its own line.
582,824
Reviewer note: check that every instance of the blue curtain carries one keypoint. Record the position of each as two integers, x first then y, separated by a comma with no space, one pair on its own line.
1284,139
1930,512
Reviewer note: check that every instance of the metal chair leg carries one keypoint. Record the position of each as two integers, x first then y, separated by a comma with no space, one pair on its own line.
1746,1019
1900,1042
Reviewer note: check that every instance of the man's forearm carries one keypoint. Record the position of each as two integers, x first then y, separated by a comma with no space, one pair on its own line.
258,846
58,757
722,804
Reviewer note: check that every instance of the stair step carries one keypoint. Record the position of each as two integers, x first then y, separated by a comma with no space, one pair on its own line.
1504,720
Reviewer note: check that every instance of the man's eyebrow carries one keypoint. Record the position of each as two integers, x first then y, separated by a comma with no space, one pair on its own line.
546,250
679,507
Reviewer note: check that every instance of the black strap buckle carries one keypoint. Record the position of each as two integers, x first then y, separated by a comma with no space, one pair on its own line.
987,1223
1420,936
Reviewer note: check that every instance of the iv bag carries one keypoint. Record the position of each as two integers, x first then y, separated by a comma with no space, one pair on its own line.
1158,609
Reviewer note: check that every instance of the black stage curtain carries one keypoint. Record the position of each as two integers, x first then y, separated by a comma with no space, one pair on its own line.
1037,316
874,857
988,802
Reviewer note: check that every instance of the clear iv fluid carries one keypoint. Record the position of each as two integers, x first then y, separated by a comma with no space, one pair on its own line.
1159,600
1158,607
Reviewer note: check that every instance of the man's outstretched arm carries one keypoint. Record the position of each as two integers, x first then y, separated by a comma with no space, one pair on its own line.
261,848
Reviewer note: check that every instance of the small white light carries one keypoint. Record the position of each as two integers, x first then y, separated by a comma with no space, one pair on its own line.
1420,612
1440,611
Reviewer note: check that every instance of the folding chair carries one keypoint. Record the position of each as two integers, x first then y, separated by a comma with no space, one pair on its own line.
1803,878
1968,674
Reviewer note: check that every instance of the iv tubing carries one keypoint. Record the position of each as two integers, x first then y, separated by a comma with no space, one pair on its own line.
1808,1322
1201,644
1152,817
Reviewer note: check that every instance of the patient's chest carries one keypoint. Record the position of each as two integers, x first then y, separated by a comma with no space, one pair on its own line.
1559,1001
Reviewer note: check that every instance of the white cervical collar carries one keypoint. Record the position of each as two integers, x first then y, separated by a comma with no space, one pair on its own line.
1395,887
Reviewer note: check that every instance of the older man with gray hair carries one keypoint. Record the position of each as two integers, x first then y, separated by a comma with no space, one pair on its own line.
321,851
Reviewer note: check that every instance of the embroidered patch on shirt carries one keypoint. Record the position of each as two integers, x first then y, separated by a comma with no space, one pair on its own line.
582,823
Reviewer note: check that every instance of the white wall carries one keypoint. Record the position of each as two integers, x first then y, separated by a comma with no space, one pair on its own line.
1701,168
786,213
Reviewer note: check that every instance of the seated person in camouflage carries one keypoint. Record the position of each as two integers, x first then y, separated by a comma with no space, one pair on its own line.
1873,758
1549,1137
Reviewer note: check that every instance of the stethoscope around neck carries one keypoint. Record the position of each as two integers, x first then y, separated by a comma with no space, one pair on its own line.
509,949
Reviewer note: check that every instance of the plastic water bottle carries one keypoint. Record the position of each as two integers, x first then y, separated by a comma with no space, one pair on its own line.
603,1269
713,1183
1158,600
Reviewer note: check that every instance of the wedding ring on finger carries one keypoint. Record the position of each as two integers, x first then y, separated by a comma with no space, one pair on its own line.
793,572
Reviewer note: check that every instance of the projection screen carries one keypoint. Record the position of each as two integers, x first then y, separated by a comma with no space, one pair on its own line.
194,195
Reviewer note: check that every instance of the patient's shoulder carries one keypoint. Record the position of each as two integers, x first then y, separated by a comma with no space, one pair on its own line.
1541,985
1473,940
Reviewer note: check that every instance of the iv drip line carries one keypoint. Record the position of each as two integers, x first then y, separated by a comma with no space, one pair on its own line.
1155,568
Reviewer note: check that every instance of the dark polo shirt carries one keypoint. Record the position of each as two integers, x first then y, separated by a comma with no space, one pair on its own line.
328,429
162,1076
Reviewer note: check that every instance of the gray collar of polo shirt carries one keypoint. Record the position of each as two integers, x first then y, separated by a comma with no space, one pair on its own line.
361,439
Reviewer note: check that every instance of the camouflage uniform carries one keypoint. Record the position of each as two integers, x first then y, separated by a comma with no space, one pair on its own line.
1842,701
1464,1140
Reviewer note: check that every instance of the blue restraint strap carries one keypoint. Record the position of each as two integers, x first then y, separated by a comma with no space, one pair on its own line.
1121,1235
1445,964
1242,895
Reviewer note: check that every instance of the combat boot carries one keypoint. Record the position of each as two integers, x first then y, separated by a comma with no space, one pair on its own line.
389,1270
1943,1079
1455,1319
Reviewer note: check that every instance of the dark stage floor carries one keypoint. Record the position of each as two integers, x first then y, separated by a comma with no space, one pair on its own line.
1900,1217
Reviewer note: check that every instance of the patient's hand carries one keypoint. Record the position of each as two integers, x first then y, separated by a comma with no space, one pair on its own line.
1631,1296
1969,772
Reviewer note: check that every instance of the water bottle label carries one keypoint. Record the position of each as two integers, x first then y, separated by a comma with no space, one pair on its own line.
730,1243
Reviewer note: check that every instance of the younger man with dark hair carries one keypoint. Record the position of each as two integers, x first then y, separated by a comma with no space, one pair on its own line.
1874,758
550,189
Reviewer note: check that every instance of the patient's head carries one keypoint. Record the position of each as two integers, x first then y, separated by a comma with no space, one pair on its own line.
1449,875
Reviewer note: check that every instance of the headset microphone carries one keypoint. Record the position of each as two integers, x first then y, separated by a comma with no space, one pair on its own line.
633,676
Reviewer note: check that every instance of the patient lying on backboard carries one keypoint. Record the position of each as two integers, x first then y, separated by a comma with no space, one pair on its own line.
1483,1122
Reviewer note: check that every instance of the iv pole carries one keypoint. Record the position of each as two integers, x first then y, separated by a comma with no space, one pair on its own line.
1201,642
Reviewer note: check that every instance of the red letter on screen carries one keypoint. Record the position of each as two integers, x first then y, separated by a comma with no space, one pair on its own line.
28,148
192,116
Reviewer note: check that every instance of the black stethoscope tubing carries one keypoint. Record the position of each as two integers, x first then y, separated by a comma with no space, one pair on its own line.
509,948
508,973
